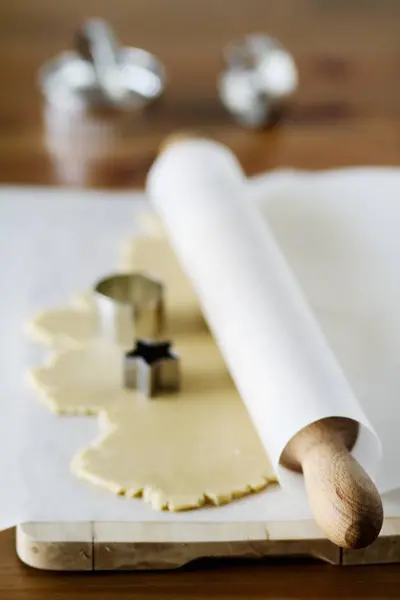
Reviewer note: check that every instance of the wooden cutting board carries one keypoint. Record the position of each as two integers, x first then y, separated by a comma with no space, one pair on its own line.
168,545
138,546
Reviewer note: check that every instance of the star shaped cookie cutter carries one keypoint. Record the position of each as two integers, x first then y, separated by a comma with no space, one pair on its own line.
152,368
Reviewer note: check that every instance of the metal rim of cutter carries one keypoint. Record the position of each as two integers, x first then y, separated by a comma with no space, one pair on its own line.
138,288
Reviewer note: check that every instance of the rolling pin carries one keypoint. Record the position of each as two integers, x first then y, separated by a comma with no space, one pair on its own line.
343,498
300,402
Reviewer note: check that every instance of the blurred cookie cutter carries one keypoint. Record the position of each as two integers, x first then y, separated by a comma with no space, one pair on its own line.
259,75
130,306
152,368
99,73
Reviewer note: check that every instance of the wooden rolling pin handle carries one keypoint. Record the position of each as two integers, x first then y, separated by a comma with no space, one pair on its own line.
344,500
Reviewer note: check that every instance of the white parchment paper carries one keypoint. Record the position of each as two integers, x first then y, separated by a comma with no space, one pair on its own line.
286,373
339,233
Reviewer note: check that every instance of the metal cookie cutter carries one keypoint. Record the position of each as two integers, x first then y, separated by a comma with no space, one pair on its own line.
152,368
100,73
259,74
130,306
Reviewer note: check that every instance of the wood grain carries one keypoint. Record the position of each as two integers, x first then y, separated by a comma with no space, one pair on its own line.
162,546
220,579
344,500
346,112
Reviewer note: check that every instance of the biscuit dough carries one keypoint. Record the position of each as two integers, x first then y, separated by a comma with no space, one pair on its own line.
178,451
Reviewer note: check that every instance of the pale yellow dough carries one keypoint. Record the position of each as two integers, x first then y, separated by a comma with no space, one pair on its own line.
177,451
178,457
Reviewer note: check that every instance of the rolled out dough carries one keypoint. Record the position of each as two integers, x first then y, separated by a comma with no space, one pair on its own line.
178,451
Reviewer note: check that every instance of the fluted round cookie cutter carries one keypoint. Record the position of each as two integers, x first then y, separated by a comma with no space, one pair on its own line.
259,74
99,73
130,306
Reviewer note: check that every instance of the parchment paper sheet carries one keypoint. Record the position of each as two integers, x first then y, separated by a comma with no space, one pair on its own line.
286,373
55,242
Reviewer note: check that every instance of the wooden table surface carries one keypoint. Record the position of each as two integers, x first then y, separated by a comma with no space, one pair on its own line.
346,112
